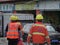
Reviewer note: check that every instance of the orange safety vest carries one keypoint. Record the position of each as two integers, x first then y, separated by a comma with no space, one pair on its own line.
38,33
13,30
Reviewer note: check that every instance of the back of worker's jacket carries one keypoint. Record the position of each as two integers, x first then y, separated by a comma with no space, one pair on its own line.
38,33
12,32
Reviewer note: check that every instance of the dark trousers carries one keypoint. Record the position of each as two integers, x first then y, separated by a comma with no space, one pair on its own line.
12,41
37,44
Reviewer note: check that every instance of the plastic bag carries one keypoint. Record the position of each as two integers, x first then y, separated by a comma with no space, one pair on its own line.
20,42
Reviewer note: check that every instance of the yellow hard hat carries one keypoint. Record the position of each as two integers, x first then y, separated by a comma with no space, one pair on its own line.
39,17
13,17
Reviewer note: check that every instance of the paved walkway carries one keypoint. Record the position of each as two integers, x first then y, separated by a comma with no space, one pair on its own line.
3,41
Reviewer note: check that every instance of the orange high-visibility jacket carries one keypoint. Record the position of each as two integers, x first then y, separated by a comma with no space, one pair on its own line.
38,33
12,32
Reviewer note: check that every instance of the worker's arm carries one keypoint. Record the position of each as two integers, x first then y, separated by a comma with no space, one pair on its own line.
21,27
47,37
20,30
6,30
30,35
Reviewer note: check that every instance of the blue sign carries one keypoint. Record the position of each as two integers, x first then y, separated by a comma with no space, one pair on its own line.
55,41
7,7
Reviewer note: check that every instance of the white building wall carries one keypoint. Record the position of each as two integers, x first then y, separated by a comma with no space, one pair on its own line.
48,5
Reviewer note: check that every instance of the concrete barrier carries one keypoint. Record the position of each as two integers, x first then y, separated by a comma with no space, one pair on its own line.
3,41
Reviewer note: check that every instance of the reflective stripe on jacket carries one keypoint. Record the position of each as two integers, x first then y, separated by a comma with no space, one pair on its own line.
12,32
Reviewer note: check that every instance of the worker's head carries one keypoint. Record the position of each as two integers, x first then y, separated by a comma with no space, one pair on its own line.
13,18
39,17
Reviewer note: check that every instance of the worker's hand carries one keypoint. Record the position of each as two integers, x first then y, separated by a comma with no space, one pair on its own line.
48,44
21,39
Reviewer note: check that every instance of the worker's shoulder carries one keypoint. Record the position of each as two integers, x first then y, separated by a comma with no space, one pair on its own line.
42,25
19,23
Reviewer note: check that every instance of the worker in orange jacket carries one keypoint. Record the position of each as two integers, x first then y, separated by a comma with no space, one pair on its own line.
38,32
13,30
